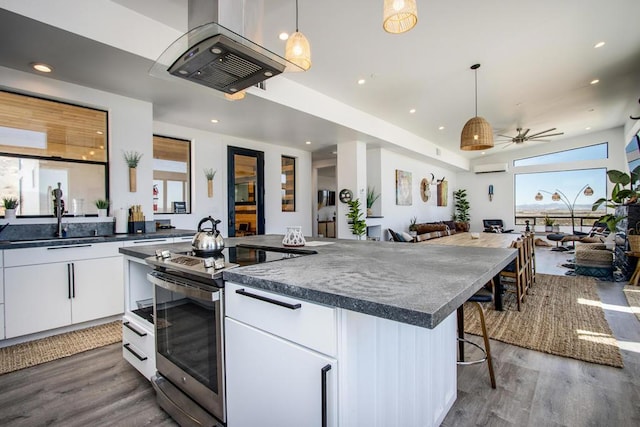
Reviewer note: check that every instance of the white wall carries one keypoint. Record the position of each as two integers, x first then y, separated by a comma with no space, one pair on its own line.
502,206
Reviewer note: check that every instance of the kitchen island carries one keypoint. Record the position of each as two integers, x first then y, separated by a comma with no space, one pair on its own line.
383,328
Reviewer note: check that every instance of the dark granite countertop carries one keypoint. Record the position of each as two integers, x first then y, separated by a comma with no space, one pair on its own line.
160,234
415,284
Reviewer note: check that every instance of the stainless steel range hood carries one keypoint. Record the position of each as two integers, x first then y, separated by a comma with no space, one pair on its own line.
215,56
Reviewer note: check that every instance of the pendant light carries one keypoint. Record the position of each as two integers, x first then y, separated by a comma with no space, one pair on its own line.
399,16
476,133
297,49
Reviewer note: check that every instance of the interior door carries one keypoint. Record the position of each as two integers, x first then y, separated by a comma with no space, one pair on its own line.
245,192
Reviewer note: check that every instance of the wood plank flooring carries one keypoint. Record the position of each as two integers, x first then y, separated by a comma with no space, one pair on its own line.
98,388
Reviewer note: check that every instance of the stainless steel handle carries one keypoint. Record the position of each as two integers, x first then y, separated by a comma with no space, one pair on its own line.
52,248
69,281
150,240
135,331
73,280
181,287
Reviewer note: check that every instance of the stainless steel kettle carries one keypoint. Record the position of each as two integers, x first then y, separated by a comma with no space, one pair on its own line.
209,239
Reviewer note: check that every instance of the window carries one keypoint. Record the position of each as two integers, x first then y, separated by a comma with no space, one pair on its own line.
43,143
171,175
288,181
570,186
592,152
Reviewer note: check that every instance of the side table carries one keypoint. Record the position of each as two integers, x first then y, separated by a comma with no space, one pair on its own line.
635,277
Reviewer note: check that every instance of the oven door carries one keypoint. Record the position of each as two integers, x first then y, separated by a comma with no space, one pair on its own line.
188,323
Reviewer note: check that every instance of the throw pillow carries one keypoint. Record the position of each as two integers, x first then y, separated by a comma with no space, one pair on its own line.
407,237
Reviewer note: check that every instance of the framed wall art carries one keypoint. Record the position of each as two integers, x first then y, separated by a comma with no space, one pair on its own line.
403,188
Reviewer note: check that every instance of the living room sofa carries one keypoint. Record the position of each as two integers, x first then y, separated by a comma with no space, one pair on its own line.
425,231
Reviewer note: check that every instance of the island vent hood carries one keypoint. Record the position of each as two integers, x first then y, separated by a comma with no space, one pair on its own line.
217,57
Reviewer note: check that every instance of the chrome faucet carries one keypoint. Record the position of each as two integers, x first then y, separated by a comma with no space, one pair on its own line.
59,208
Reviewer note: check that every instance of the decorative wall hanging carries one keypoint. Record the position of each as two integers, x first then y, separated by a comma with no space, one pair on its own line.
132,158
490,193
425,188
443,187
209,174
403,188
345,195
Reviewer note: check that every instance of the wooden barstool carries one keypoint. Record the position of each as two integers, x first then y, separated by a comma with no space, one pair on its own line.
482,295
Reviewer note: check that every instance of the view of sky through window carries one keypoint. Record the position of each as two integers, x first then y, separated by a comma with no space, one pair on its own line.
592,152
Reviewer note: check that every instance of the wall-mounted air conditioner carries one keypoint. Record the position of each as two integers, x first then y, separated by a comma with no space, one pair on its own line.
490,168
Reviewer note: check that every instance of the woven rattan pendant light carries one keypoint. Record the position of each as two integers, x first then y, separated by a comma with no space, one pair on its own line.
399,16
476,133
297,49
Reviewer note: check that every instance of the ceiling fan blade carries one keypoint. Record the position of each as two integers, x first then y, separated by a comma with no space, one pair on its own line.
540,133
507,145
507,136
544,136
525,133
540,140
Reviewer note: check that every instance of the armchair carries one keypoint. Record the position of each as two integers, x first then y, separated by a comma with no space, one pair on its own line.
494,226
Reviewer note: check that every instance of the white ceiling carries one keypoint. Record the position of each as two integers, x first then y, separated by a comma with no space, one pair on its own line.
537,61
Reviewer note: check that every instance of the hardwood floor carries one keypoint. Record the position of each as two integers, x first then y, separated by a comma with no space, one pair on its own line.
98,388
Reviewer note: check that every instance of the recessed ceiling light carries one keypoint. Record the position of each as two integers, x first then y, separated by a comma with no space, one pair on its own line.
92,152
214,120
595,81
43,68
334,152
599,44
441,128
483,153
361,81
283,36
102,147
413,110
99,132
587,128
308,142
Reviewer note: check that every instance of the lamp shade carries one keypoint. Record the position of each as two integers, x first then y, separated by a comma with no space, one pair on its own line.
476,135
555,197
588,191
399,16
539,196
298,51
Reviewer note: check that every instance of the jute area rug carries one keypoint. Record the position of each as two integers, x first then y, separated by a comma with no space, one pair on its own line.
33,353
562,315
632,293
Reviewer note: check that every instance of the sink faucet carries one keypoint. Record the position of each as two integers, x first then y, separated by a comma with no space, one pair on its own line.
59,208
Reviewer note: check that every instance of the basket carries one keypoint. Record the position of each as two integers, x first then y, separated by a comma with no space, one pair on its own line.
634,242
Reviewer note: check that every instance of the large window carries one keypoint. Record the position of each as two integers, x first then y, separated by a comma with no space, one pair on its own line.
43,143
592,152
569,187
171,175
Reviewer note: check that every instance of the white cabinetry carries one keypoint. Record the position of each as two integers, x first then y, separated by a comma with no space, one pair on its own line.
273,360
51,287
147,242
138,345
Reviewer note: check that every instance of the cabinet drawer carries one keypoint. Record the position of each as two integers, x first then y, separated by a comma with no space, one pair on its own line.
146,242
183,239
308,324
144,363
62,253
139,336
1,321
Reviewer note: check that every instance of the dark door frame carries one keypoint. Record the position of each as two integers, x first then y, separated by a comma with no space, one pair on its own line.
231,189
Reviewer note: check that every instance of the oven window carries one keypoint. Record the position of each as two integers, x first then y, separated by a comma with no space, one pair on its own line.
186,335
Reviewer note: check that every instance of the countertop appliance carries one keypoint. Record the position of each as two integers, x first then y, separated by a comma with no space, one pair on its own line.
189,328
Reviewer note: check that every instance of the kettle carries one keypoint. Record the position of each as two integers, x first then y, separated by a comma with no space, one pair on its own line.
208,240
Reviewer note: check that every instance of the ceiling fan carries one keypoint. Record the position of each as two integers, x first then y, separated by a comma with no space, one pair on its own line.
523,136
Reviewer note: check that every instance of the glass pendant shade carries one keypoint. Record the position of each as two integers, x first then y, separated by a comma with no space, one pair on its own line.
539,196
235,96
477,134
298,51
588,191
399,16
555,197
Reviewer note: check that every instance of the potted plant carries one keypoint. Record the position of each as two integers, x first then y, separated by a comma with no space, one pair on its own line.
10,205
102,205
357,224
461,216
209,174
548,224
132,158
621,198
371,199
413,229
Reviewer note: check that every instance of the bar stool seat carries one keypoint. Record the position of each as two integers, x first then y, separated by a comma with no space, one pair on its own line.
482,295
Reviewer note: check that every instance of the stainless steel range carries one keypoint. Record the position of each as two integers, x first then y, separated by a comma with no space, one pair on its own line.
189,319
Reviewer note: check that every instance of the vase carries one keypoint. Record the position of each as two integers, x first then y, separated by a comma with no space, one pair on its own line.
102,213
369,212
210,187
293,237
9,214
132,180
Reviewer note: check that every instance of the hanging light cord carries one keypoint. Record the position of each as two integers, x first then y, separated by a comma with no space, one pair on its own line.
476,73
296,16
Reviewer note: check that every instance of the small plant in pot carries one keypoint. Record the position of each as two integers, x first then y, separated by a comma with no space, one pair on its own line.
10,205
103,206
548,224
371,199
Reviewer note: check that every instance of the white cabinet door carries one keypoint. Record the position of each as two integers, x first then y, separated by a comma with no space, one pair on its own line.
99,289
273,382
37,298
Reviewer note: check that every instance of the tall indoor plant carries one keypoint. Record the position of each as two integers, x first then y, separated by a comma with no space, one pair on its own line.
357,224
461,216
